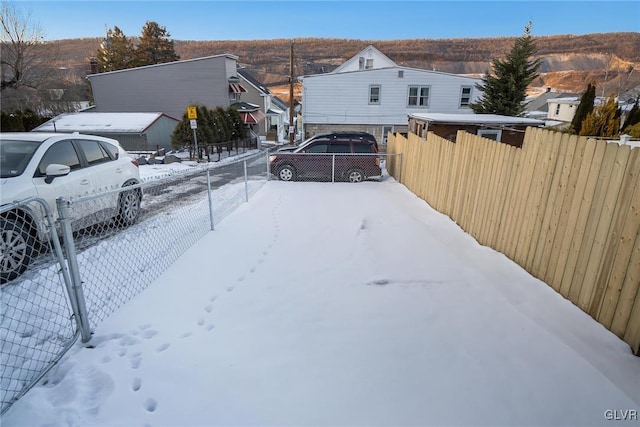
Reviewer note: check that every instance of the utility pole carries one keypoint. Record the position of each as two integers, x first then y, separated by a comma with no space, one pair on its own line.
291,100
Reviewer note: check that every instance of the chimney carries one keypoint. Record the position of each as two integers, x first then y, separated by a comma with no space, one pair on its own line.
94,65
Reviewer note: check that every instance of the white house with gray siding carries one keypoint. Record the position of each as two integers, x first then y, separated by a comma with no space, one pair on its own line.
170,87
379,99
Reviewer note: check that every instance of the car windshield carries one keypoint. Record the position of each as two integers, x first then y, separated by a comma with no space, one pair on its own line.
15,155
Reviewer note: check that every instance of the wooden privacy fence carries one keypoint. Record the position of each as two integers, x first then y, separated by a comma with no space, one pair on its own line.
566,208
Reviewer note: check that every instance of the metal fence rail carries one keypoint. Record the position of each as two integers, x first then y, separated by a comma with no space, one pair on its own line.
56,300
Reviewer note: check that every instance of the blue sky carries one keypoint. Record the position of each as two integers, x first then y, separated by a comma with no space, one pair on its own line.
364,20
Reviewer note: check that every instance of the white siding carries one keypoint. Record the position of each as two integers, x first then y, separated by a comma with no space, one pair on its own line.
169,87
343,98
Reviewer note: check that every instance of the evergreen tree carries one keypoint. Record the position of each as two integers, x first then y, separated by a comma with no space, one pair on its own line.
238,128
155,47
603,121
584,108
633,117
116,52
504,92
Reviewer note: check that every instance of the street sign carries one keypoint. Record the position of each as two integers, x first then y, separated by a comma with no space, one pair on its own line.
191,113
194,124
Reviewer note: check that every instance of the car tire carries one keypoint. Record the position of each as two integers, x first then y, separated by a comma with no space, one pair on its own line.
17,249
355,175
286,173
128,206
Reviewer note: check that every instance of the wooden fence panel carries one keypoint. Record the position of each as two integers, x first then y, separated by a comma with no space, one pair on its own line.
565,193
505,165
565,208
621,238
598,263
631,332
583,267
578,213
552,211
579,244
630,292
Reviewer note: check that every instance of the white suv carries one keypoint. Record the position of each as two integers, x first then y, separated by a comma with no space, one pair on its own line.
50,165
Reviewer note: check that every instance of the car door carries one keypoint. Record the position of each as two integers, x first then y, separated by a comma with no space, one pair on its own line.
105,172
77,183
343,159
314,162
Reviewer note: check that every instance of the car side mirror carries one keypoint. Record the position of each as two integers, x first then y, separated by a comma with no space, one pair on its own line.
55,170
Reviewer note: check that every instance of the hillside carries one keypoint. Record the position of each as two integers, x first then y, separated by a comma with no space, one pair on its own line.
569,61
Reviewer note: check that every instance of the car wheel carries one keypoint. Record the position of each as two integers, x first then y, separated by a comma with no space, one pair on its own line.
355,175
128,206
286,173
17,246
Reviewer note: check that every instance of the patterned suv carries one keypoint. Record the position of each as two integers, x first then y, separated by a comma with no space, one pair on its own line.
328,158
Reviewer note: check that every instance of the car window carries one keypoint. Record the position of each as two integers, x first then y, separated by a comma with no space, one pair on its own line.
111,149
317,148
94,152
61,153
15,155
362,148
340,148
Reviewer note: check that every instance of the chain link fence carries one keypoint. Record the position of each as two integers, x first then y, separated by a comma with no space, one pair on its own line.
36,322
356,167
115,244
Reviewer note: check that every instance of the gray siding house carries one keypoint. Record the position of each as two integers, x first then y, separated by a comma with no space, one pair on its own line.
170,87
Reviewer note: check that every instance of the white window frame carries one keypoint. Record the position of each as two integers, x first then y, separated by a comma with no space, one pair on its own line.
419,96
368,64
464,104
371,100
497,132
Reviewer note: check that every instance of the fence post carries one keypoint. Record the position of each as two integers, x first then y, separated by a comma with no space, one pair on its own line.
400,168
72,259
268,166
246,183
333,168
210,198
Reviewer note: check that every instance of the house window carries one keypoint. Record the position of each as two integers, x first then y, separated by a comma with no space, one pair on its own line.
418,96
557,109
400,74
465,96
369,64
495,134
374,94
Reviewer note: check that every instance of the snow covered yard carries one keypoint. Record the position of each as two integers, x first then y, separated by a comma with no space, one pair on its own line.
350,305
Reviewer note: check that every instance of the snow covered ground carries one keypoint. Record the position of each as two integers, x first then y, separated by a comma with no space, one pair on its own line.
350,305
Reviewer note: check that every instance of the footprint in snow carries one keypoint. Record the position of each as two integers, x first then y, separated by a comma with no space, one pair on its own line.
150,405
163,347
208,308
136,384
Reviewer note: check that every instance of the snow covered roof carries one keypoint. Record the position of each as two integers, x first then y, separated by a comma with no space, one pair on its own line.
101,122
476,119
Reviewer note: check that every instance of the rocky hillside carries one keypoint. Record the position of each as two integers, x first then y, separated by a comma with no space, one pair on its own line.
611,60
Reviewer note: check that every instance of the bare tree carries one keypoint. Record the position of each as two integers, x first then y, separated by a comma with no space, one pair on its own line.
26,61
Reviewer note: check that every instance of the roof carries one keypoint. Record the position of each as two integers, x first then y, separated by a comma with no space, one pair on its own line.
374,70
369,52
540,103
472,119
101,122
253,81
164,64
